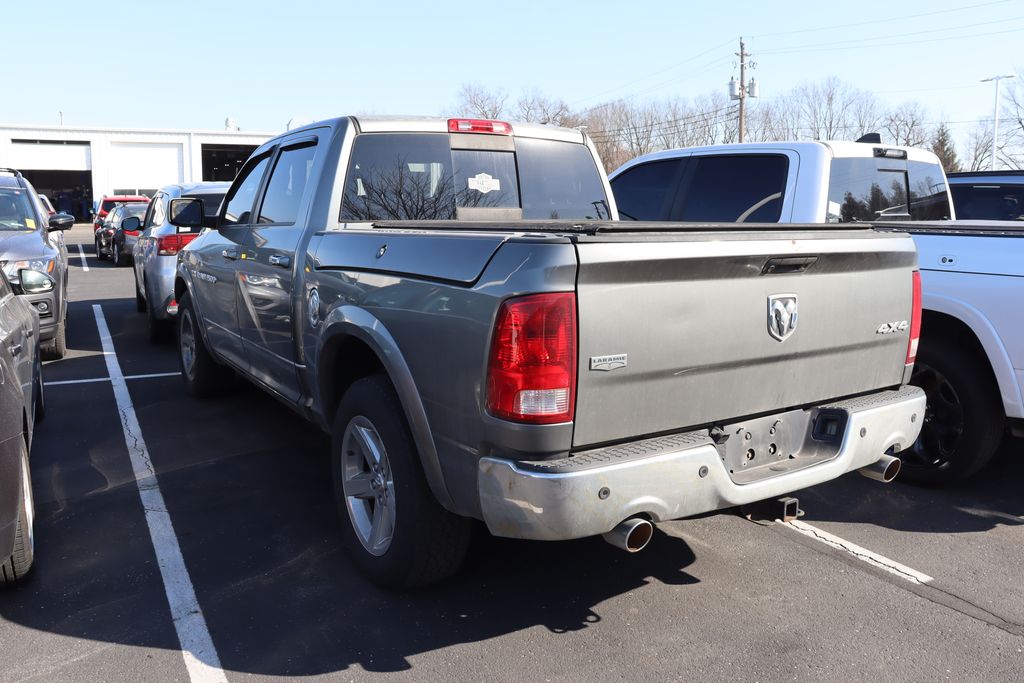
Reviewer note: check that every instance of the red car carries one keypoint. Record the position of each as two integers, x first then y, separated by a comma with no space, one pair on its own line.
109,202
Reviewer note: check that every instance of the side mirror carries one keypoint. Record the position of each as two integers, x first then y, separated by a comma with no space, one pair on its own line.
131,224
187,213
35,282
60,221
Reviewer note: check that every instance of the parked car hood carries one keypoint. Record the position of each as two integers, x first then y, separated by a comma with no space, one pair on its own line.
15,246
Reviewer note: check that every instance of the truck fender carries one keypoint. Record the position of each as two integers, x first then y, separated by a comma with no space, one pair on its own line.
182,284
357,322
990,341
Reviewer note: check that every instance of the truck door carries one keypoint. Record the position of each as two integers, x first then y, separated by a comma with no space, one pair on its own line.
216,264
266,272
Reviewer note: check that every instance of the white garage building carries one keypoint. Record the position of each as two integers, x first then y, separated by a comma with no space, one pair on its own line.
76,166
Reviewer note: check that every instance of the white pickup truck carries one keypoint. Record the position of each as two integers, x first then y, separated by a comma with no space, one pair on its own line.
971,357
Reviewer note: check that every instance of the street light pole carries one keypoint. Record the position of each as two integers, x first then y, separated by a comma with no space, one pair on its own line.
995,117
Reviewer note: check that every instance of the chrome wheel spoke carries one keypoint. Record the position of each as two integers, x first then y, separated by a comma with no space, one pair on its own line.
360,486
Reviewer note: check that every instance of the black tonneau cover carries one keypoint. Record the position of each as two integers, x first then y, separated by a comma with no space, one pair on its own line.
604,227
962,228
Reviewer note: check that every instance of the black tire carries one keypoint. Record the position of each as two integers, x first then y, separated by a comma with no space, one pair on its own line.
99,254
964,421
115,254
204,376
140,301
428,543
159,330
17,566
57,348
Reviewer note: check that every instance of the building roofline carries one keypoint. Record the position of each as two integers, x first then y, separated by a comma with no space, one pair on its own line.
112,129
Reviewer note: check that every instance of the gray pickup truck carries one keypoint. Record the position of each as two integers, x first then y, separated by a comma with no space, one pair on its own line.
456,303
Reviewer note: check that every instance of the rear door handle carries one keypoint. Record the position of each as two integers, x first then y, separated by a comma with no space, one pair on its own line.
279,260
15,349
230,254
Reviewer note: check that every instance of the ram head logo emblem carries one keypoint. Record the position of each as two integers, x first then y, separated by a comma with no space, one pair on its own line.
781,315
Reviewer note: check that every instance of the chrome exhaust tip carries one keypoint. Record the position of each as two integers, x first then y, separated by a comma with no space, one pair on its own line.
885,470
632,535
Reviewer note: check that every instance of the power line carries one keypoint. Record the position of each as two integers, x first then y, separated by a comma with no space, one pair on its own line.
711,66
899,44
654,73
667,127
668,122
882,21
865,41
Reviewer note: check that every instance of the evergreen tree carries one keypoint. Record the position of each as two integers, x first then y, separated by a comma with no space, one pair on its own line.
942,146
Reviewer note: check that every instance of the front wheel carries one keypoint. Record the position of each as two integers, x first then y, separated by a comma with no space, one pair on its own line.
17,566
963,421
58,347
394,529
115,254
204,376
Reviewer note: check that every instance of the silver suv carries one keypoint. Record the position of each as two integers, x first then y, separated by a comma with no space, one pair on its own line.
155,252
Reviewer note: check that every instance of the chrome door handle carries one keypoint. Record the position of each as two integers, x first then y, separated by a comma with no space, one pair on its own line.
29,333
15,349
279,260
230,254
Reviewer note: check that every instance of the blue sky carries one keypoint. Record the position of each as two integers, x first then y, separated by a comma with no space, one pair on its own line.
263,63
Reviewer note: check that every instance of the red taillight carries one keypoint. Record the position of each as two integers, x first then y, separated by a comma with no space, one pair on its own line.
531,374
915,321
170,245
479,126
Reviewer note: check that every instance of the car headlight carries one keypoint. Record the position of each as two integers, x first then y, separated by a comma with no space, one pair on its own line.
43,265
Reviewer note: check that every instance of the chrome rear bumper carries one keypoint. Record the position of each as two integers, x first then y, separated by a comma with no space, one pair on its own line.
679,475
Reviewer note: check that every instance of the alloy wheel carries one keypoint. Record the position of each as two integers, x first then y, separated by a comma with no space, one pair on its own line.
943,426
368,485
188,343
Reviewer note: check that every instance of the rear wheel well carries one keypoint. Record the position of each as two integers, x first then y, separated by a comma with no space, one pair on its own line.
344,360
951,330
179,288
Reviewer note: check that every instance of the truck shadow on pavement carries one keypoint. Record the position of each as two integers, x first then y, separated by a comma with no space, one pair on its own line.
247,484
990,499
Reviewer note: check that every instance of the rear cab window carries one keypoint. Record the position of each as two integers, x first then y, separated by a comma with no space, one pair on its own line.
419,176
646,192
882,188
988,201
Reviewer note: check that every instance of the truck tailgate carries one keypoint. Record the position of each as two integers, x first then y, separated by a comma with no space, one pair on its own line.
676,330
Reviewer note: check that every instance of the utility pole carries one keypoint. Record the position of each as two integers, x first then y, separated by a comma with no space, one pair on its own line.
742,90
995,117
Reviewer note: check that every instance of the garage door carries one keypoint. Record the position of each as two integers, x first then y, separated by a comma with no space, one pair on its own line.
145,164
57,156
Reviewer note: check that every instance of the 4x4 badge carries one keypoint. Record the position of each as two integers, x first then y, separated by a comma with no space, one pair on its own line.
781,315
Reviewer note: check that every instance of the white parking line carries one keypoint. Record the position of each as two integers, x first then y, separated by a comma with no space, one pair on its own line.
107,379
863,554
81,255
197,648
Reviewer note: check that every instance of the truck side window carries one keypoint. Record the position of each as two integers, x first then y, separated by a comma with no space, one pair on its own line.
238,205
739,188
287,184
646,192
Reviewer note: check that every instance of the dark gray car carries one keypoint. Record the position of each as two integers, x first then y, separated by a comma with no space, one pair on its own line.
31,241
21,406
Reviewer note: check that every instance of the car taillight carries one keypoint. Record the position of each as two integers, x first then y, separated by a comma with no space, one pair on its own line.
170,245
915,321
531,373
479,126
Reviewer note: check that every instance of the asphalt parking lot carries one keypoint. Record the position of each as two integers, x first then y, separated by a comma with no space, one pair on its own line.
877,582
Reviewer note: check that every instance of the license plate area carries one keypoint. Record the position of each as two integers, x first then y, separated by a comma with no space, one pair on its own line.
766,447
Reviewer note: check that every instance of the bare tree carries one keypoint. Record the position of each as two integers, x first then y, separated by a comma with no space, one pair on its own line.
979,147
535,107
827,108
905,124
1011,125
476,100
